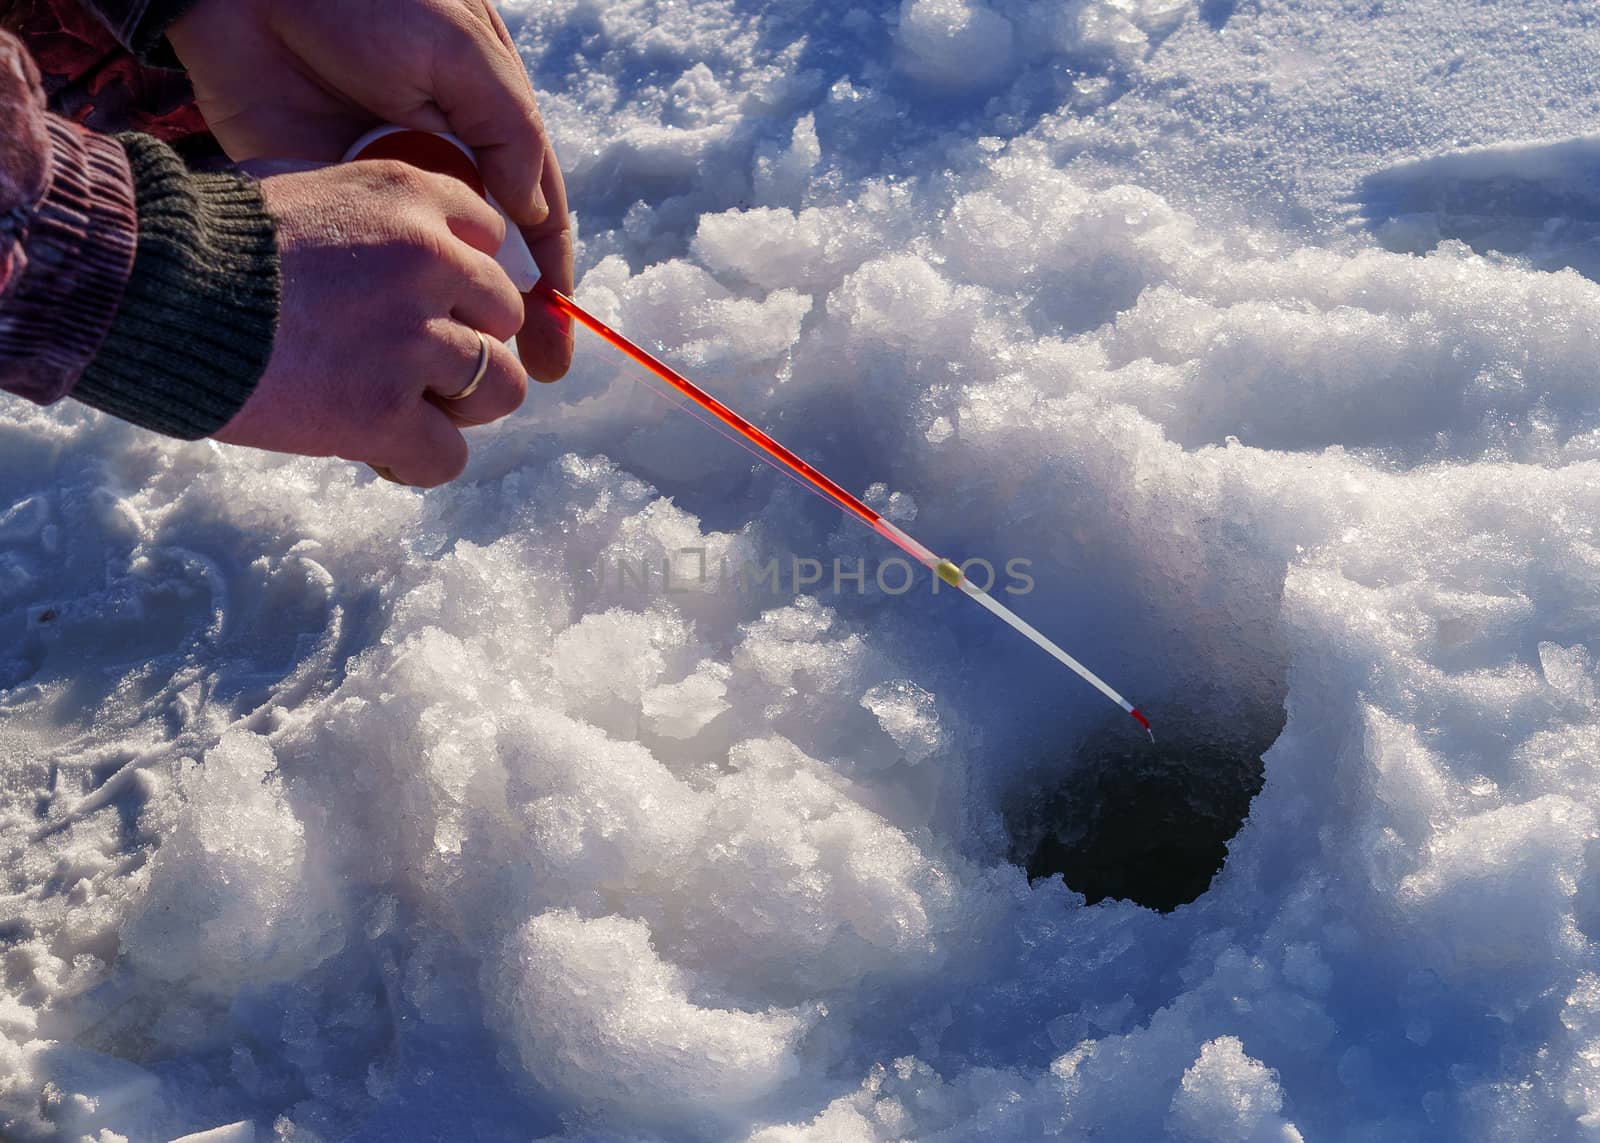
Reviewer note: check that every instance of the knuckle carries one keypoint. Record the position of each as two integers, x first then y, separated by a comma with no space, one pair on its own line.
480,226
493,221
393,176
445,193
455,199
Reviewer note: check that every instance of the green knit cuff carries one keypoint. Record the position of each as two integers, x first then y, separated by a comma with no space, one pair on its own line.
200,313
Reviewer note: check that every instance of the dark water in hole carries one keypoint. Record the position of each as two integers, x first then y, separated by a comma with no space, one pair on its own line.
1149,824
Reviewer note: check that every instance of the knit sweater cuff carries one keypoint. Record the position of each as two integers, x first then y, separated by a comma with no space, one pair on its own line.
200,312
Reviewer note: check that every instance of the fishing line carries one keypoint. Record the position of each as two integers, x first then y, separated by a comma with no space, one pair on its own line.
449,155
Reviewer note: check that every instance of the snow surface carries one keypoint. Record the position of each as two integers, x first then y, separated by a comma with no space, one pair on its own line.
331,810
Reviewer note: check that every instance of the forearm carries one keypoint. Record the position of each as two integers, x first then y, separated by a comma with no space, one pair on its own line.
198,317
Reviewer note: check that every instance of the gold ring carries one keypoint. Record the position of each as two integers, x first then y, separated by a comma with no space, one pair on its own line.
482,371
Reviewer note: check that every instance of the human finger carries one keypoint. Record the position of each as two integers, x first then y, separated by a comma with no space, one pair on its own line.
492,14
551,240
501,391
484,297
426,451
546,338
482,89
464,211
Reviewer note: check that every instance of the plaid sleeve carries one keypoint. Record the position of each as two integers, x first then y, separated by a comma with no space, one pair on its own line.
68,232
90,77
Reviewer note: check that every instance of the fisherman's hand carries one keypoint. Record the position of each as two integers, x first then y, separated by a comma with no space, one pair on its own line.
303,79
387,272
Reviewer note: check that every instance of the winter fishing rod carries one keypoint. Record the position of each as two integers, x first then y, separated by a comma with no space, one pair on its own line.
448,155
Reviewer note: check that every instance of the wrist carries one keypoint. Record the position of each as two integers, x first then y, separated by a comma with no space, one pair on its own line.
199,313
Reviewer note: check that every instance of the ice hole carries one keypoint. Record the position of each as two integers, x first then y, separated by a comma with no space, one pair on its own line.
1121,818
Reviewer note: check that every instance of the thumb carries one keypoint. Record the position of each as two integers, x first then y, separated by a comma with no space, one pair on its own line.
483,92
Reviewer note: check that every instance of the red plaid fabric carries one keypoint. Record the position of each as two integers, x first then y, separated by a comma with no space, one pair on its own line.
92,77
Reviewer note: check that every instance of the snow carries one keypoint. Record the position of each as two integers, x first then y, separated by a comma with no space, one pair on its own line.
545,807
1227,1096
595,1011
242,1132
954,45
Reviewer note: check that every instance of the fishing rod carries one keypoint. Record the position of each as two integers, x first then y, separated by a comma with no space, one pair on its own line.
448,155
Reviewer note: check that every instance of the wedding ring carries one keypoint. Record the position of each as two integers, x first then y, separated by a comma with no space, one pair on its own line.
479,375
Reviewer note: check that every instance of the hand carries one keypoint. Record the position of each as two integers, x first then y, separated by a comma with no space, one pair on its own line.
303,79
387,272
